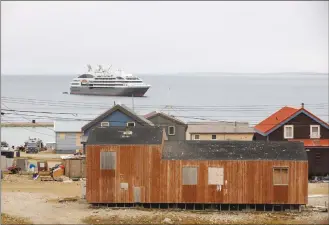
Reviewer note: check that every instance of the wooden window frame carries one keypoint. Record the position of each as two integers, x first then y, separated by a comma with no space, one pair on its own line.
108,124
319,134
285,132
194,137
131,123
280,168
171,134
215,137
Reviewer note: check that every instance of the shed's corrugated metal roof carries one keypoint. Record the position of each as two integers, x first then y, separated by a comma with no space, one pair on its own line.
219,127
234,150
69,126
115,135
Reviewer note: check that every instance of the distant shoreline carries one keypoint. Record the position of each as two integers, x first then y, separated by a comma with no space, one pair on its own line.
24,124
195,74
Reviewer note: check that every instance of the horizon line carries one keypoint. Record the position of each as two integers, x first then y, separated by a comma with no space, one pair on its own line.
187,73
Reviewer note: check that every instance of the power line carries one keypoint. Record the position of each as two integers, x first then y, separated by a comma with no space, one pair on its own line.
68,103
18,112
30,130
23,116
158,124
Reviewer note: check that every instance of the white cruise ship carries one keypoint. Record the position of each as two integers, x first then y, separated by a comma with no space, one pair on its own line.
105,82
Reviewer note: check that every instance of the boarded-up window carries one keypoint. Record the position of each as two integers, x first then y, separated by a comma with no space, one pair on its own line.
280,176
137,194
62,136
216,176
190,175
108,160
124,186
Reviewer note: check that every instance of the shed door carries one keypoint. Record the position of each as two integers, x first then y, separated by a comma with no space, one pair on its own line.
137,194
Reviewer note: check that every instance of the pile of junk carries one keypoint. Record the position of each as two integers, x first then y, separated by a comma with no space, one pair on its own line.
43,171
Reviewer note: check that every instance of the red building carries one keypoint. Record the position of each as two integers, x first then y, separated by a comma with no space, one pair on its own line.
293,124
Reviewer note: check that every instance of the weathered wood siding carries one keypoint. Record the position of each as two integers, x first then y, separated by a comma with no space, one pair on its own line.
160,181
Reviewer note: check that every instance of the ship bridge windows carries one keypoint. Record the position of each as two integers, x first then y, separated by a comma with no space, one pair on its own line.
86,76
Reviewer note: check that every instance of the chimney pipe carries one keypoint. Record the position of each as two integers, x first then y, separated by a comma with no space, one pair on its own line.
302,105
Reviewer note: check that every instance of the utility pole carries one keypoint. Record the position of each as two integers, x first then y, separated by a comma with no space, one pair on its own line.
132,98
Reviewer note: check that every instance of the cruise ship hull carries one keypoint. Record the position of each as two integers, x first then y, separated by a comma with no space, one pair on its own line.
110,91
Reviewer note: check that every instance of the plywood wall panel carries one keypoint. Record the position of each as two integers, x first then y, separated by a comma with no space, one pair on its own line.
160,181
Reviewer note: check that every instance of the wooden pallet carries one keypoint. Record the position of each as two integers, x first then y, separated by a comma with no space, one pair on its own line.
46,178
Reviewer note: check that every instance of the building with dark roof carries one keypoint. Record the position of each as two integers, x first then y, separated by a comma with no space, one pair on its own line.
138,166
299,124
175,128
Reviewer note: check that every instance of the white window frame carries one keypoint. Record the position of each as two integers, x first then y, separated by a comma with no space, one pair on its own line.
285,133
215,137
131,123
319,134
105,124
194,137
169,130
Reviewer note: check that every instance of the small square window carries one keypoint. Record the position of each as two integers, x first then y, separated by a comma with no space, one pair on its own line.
190,175
213,137
215,176
130,124
171,130
280,176
105,124
196,137
315,131
288,131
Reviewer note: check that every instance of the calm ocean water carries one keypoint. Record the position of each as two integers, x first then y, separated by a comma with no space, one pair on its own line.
236,98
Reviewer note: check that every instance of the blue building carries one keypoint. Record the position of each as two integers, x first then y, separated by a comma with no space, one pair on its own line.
117,116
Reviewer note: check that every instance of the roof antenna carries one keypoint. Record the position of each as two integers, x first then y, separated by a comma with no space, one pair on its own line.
303,105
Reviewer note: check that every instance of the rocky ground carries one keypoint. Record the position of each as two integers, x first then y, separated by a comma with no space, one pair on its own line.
43,203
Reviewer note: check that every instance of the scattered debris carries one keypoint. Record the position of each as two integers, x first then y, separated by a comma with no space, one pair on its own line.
68,199
167,220
73,156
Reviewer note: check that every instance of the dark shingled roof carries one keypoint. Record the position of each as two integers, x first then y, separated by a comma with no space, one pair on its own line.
233,150
114,135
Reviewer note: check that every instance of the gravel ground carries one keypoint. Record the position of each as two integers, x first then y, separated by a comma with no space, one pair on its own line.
43,209
38,202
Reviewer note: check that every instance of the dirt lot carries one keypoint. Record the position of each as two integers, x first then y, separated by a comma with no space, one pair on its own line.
27,201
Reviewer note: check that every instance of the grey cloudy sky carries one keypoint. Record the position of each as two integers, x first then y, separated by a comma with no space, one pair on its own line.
164,37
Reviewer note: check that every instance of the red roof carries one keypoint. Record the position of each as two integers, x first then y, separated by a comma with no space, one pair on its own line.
313,142
275,119
282,115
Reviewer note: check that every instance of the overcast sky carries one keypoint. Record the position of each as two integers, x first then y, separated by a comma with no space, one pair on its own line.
164,37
